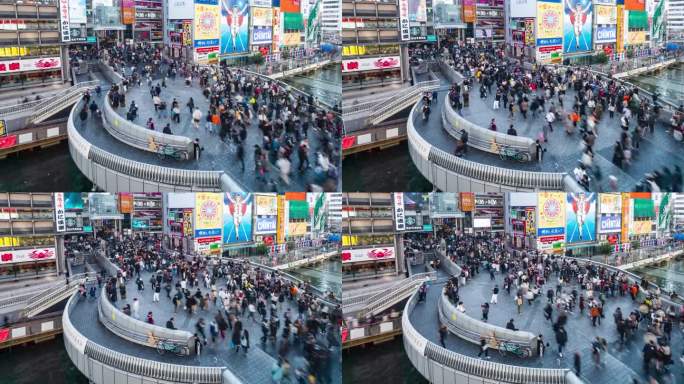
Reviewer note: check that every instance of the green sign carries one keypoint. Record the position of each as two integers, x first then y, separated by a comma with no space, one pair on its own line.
91,39
637,20
431,37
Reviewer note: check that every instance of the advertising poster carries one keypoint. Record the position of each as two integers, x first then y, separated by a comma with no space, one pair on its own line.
234,26
577,31
27,255
208,214
417,211
280,229
206,31
367,254
549,32
635,37
635,5
77,12
128,12
375,63
580,218
606,33
606,15
469,11
620,29
610,203
529,32
551,220
237,217
276,30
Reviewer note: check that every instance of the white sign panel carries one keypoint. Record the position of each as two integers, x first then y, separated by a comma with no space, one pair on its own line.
523,8
606,14
181,9
77,12
260,3
26,255
404,28
60,218
482,222
64,20
399,219
374,63
22,65
367,254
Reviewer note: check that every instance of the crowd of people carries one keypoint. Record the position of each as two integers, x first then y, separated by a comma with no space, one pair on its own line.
225,298
296,133
542,93
567,289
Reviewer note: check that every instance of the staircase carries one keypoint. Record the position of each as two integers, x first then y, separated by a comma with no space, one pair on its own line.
404,99
42,301
64,99
385,299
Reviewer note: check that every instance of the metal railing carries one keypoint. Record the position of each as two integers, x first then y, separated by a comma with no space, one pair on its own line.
48,103
438,364
411,96
385,299
43,301
70,96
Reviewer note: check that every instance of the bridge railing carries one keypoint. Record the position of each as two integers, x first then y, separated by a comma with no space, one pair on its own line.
69,96
43,301
93,360
441,365
403,100
138,331
399,291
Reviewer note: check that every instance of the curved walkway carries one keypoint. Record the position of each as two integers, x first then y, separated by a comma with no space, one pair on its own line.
562,150
621,364
216,156
254,367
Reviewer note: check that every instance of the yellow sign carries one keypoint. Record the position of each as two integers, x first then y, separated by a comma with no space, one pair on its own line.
280,228
619,43
266,205
609,203
262,17
7,241
549,22
606,14
208,211
642,227
3,128
636,37
187,33
296,229
291,38
626,219
206,24
551,206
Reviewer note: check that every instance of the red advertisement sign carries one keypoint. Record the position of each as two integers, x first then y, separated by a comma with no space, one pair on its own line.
374,63
8,141
367,254
26,255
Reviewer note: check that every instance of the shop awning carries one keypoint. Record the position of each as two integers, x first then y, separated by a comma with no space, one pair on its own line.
644,208
293,21
299,210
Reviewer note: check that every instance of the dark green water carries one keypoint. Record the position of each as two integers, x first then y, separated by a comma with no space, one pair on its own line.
46,362
326,276
669,82
669,275
379,364
325,84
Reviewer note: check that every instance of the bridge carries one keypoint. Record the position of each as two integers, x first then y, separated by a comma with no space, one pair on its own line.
432,143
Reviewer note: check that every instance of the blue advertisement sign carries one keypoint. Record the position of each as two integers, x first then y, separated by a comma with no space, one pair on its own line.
207,232
206,43
610,222
580,216
262,35
234,26
606,33
549,231
237,217
577,26
265,224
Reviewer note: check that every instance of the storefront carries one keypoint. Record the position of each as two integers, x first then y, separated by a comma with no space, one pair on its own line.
26,71
368,262
371,65
26,263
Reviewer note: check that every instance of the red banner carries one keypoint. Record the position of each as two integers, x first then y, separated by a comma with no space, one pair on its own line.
4,334
8,141
348,142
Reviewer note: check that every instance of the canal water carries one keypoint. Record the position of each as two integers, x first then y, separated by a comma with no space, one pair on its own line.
326,275
46,362
669,83
324,84
382,363
669,275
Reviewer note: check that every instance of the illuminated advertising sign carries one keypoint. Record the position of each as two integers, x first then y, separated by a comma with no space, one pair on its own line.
187,33
635,5
292,6
417,211
291,38
550,220
266,205
280,229
262,17
467,201
208,211
234,26
22,65
206,31
606,15
636,37
27,255
580,218
606,33
610,222
404,27
296,229
529,32
237,217
610,203
577,26
103,206
265,225
60,224
187,222
77,12
375,63
549,23
367,254
620,31
276,30
128,12
399,218
180,9
65,25
261,35
641,227
125,202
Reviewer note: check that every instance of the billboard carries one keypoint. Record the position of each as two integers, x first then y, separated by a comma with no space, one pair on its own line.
103,206
467,201
620,29
635,37
262,17
399,218
606,14
610,203
529,32
375,63
417,11
290,6
265,224
27,255
605,2
262,35
641,227
577,31
276,30
60,224
127,12
367,254
208,213
635,5
523,8
550,220
77,12
606,33
416,211
549,32
64,20
180,9
206,31
280,227
266,204
237,217
610,222
580,217
469,14
291,38
234,26
23,65
73,201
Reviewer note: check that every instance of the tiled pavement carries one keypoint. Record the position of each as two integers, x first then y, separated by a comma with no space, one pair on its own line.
621,364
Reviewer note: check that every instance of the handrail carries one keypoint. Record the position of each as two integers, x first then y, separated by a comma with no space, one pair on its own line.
427,356
42,103
413,92
407,286
42,300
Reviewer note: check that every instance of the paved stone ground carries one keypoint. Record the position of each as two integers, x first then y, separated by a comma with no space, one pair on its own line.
621,364
217,155
562,150
261,357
